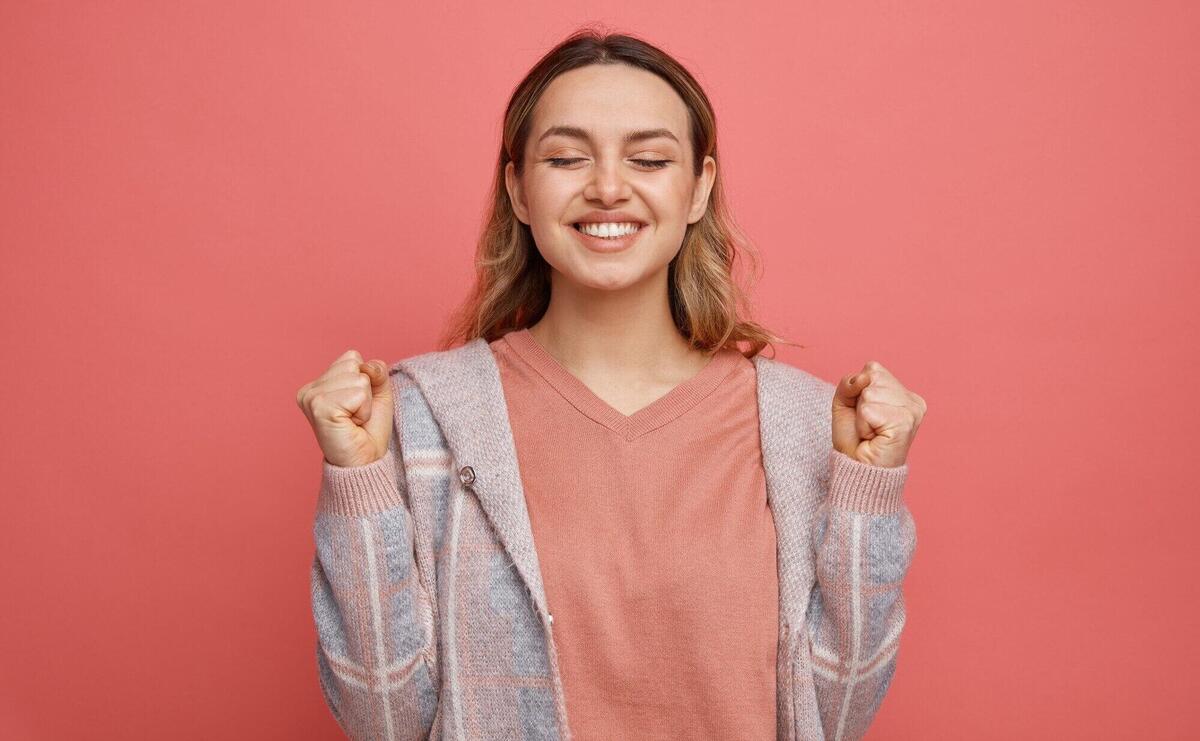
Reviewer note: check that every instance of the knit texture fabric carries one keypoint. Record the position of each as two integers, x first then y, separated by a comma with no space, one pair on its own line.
428,599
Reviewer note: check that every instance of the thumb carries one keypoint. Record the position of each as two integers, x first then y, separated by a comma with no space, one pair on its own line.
379,421
377,370
845,395
846,430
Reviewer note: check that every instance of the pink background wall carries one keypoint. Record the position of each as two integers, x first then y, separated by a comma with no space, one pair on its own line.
203,205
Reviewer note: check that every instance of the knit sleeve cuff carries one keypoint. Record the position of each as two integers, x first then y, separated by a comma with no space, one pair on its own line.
360,490
862,487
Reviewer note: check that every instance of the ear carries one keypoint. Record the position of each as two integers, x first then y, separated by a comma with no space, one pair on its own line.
512,184
704,184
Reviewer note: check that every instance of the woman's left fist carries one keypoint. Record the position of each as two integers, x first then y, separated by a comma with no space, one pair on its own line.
874,417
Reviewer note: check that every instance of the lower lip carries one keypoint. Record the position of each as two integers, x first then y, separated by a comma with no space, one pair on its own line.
608,244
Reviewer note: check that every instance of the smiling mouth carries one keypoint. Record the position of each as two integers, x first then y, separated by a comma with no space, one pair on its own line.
623,234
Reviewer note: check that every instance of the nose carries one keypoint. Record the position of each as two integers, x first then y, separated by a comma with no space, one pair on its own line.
608,183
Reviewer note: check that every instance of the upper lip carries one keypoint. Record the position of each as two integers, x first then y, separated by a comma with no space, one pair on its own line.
614,217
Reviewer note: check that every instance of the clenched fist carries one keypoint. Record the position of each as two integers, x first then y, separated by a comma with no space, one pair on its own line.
350,410
874,417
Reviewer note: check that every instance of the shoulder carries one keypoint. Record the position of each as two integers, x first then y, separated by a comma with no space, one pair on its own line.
795,415
441,378
463,360
419,384
780,378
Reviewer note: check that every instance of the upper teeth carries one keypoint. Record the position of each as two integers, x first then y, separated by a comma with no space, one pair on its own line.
608,229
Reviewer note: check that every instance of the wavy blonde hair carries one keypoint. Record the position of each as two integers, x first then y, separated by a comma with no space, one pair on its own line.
512,280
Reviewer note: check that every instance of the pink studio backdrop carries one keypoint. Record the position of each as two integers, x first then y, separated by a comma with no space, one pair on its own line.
204,204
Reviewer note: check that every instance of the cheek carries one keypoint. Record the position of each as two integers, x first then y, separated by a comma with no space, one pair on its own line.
546,193
671,198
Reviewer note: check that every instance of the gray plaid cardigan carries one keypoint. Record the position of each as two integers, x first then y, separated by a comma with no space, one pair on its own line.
430,613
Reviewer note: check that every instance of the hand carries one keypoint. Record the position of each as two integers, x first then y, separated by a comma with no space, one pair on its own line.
874,417
350,409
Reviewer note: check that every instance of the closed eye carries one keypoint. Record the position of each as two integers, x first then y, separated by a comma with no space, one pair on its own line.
564,161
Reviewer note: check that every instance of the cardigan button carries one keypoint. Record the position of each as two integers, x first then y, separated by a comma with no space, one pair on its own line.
466,474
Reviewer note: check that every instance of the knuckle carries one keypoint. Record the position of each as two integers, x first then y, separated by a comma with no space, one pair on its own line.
306,394
917,401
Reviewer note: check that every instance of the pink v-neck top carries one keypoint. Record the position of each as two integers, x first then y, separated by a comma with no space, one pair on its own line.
656,545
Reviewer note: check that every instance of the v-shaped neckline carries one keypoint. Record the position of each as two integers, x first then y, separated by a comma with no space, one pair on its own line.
670,406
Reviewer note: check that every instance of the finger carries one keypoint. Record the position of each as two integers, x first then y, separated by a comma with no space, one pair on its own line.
862,422
874,374
376,371
884,394
920,405
874,419
347,403
887,419
341,367
875,368
847,391
349,359
355,380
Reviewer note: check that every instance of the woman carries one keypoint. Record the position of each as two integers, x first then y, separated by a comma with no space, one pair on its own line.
598,518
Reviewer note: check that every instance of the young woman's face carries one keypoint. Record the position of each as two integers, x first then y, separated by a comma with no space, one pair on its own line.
609,143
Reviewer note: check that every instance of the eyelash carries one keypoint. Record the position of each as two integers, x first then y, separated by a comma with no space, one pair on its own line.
653,164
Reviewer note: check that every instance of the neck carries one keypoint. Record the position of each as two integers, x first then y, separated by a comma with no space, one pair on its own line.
628,332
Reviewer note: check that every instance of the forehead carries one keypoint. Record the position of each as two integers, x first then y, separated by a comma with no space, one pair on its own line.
609,100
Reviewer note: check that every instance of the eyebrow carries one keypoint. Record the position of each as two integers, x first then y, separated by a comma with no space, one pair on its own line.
576,132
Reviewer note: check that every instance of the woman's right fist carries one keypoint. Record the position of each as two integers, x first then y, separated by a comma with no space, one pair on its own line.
350,409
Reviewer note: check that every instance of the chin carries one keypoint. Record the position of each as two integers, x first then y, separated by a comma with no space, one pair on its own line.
614,280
